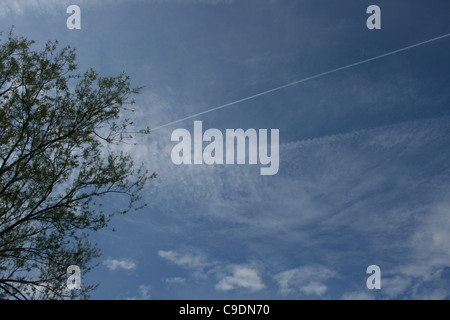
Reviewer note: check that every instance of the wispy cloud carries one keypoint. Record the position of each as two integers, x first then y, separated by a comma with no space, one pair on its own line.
49,6
309,280
228,276
143,293
355,181
58,6
174,280
114,264
422,274
189,260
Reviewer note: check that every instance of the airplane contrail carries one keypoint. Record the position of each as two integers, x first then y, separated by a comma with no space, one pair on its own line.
304,80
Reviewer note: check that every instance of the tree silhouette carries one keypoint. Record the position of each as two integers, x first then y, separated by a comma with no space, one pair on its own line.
58,130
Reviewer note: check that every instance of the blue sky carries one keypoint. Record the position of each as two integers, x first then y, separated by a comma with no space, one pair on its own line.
364,152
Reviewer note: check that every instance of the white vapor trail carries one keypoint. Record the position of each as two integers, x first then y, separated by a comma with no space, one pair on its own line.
304,80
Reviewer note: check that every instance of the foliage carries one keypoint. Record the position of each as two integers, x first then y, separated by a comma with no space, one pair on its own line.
58,130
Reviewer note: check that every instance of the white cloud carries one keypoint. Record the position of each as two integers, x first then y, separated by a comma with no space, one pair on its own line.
431,241
329,183
242,276
144,293
314,288
114,264
174,280
144,290
230,276
309,280
429,247
394,286
190,260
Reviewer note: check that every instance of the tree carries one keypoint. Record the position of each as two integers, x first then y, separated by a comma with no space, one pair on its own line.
59,160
